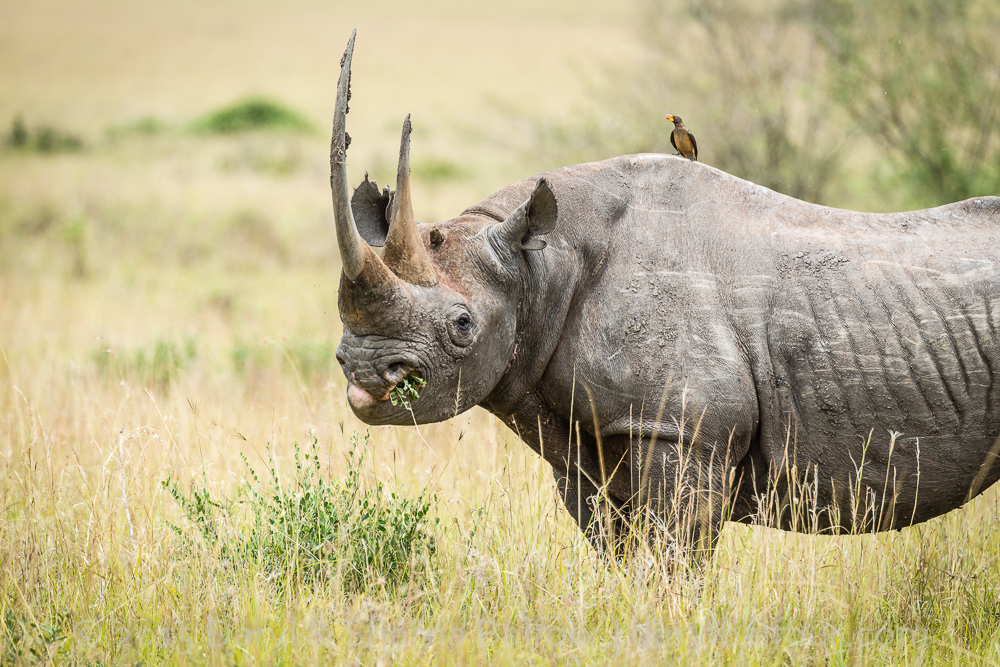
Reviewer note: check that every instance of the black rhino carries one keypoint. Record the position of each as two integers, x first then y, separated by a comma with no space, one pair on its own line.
686,346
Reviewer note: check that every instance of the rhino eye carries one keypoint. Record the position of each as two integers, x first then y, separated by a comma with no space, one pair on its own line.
460,327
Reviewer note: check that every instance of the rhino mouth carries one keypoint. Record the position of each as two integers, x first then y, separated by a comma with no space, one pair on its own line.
406,390
401,384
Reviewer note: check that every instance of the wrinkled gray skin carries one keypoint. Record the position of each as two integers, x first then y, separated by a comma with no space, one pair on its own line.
723,349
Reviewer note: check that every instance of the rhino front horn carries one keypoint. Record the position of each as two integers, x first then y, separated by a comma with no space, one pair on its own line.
369,290
359,260
352,246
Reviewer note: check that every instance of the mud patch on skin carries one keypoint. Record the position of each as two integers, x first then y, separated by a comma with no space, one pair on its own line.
819,262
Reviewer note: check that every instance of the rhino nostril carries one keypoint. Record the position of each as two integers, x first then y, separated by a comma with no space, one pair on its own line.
395,372
343,366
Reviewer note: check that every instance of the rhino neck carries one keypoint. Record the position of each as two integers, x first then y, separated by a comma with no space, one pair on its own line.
547,291
554,282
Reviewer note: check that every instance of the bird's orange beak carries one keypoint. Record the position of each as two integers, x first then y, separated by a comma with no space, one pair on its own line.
670,117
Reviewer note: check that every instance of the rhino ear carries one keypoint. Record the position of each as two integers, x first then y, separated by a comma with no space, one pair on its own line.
369,207
535,217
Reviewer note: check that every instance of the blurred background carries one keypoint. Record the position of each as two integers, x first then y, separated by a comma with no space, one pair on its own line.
195,133
168,276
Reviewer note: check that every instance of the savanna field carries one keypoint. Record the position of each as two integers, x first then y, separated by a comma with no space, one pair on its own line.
181,478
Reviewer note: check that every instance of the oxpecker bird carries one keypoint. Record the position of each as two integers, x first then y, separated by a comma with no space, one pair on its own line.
682,139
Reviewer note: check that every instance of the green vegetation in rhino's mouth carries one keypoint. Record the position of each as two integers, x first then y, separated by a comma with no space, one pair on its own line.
406,389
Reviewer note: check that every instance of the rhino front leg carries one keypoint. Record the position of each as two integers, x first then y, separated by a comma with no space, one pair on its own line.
575,498
605,523
685,492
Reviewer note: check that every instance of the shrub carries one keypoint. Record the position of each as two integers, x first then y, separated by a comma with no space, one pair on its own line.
43,139
823,100
253,114
922,79
312,531
745,77
25,641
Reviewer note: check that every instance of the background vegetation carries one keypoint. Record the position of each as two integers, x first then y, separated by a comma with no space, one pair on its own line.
168,320
879,106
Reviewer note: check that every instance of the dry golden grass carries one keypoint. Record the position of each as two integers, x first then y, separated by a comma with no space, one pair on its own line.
220,250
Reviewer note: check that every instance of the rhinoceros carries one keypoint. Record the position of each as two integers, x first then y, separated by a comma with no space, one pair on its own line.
685,346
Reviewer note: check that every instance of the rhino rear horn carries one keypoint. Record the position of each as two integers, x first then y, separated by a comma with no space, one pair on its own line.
405,252
535,217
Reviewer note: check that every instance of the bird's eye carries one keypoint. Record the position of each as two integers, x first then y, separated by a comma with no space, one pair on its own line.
463,322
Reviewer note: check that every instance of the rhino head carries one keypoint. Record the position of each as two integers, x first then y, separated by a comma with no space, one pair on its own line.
438,310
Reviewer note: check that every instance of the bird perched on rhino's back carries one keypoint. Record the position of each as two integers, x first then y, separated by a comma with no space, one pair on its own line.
683,140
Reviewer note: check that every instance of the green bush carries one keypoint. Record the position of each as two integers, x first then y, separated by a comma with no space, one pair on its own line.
310,530
24,641
253,114
43,139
